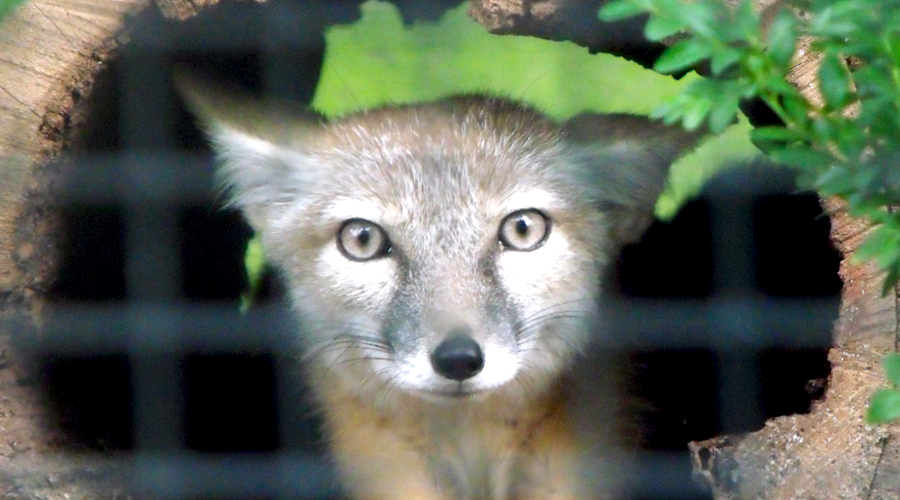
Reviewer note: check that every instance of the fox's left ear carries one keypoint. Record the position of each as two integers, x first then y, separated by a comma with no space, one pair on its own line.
625,159
259,143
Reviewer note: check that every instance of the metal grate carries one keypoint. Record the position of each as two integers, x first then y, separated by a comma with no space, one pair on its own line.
139,179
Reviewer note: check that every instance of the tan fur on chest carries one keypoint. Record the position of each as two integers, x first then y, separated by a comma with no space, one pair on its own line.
497,449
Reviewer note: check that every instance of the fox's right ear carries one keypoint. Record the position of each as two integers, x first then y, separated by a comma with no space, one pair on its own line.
626,158
259,143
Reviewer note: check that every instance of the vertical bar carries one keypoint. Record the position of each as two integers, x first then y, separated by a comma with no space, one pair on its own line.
152,260
291,46
733,258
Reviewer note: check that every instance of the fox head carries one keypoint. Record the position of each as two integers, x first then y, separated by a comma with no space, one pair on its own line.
446,250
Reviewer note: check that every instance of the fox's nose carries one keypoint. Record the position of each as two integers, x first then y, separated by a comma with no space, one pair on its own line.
458,357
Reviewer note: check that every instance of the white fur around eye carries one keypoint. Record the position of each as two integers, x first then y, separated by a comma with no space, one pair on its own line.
534,274
361,286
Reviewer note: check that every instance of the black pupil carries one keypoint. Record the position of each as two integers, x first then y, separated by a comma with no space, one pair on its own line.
362,236
522,225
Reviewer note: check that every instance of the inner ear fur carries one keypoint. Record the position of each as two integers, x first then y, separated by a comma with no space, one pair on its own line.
626,160
259,142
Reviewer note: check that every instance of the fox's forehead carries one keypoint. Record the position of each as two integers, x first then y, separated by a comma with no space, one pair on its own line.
449,141
442,151
393,213
434,161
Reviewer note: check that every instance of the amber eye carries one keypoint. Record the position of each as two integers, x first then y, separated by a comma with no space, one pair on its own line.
524,230
359,239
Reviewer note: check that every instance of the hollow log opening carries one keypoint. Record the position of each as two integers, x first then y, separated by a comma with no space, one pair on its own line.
786,255
116,232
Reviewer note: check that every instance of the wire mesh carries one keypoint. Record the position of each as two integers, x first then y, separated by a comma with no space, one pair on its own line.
149,180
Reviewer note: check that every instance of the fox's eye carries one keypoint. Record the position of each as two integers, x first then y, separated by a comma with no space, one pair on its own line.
524,230
359,239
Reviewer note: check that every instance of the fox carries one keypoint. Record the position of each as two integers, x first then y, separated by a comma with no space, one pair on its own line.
445,263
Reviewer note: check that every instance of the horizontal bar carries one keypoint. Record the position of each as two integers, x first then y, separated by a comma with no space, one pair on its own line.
185,475
720,322
662,475
305,475
635,324
116,328
182,175
137,178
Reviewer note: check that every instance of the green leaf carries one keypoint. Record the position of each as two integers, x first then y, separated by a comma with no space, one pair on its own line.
882,245
619,10
803,158
682,55
7,6
832,22
834,81
660,27
782,39
255,264
747,20
797,108
695,112
723,58
723,113
884,407
775,134
703,18
892,368
836,180
890,280
824,129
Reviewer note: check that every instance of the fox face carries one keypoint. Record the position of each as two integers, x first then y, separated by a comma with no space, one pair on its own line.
447,261
449,250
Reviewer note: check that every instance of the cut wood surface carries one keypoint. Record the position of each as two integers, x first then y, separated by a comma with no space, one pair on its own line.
50,50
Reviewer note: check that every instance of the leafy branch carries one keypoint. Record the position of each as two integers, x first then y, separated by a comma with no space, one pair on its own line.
849,144
884,406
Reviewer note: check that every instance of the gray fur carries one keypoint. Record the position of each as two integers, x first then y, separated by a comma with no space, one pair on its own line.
439,178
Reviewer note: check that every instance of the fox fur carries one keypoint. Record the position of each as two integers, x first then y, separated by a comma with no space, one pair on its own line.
540,417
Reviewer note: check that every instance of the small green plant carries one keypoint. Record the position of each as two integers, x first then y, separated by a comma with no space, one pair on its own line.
255,264
846,146
884,407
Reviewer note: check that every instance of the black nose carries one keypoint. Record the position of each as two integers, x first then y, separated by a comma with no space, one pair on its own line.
458,357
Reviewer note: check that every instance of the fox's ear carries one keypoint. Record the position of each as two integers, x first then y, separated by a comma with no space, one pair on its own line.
625,159
259,143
